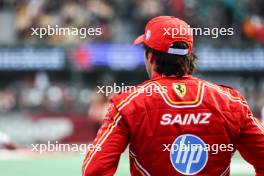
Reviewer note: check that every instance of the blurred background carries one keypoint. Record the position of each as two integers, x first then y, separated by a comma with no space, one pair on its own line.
48,86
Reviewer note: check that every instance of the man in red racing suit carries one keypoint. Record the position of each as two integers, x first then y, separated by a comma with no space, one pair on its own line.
186,126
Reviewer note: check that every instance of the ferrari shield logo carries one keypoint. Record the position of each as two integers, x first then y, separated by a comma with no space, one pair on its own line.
180,89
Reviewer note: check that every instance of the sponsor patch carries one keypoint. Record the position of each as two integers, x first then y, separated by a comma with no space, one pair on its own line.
188,154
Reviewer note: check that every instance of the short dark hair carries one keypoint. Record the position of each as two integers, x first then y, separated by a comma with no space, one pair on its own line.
171,64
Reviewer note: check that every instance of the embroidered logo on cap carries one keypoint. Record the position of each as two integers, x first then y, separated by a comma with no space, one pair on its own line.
148,34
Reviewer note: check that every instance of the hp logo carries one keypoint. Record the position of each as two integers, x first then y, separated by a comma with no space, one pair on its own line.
188,154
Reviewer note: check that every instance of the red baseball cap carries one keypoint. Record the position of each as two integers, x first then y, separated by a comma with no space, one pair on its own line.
162,31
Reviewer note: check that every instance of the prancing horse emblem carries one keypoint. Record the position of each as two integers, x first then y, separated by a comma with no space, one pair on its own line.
180,89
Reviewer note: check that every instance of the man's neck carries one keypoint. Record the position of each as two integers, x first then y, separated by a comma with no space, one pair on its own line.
156,75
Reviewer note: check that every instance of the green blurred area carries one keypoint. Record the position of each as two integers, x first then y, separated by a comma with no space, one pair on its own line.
70,165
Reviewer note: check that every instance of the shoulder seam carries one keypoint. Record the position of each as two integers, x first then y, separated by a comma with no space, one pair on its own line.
231,97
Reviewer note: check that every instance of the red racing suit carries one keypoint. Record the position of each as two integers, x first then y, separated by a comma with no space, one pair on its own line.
149,118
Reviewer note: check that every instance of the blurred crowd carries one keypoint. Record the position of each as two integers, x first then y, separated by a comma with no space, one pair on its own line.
122,20
39,94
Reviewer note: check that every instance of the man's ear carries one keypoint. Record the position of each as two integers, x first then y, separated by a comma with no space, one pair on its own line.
150,57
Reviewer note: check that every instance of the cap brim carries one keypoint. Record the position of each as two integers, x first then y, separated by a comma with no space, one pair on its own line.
139,40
